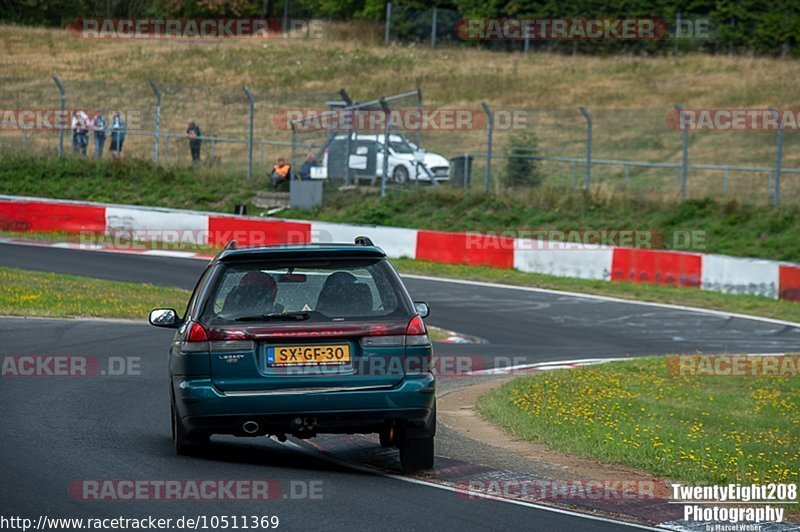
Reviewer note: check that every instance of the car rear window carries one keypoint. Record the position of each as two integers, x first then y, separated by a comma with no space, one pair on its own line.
334,290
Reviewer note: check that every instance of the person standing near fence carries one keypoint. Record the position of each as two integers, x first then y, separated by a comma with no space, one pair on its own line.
99,125
117,135
80,132
195,139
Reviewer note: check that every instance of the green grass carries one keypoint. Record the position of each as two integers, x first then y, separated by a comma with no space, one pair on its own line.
709,429
27,293
728,227
742,304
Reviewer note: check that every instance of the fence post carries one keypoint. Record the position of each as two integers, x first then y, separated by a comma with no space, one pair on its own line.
776,189
285,21
384,176
433,28
684,152
293,155
388,23
157,119
588,117
250,138
489,132
63,94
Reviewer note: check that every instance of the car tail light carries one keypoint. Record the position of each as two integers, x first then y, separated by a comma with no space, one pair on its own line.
196,340
416,334
197,333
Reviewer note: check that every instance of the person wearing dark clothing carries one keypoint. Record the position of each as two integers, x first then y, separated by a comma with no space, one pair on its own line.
99,126
305,169
117,136
195,139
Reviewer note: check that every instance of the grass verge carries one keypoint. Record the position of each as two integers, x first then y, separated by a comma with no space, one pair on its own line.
707,429
27,293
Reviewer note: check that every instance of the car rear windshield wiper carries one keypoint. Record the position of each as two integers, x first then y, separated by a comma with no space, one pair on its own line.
277,316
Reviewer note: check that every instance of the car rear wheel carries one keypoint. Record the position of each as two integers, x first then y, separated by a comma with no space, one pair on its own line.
184,443
416,454
400,174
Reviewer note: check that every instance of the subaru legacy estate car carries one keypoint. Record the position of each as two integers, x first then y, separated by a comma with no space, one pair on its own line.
300,340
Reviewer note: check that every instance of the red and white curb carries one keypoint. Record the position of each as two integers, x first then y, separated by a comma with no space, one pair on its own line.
736,275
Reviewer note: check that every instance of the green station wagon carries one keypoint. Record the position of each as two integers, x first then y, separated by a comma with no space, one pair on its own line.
302,340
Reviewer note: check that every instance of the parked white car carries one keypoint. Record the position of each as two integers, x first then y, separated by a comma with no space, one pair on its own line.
407,161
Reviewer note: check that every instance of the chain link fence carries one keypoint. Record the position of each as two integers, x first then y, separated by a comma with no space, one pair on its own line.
632,151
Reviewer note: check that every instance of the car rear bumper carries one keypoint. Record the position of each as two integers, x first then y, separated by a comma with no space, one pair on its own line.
204,408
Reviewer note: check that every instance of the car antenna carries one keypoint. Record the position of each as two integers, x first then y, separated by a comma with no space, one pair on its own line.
230,245
363,241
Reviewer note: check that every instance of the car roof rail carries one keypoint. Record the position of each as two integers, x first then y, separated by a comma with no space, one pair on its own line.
363,241
231,245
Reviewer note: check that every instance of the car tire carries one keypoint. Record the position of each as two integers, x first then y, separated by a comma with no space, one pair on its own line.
400,174
387,438
416,454
186,445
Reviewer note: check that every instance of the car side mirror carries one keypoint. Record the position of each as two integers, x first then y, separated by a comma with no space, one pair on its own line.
422,309
164,317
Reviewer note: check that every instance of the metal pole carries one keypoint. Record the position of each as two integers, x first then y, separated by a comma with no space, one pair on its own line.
385,107
433,28
684,153
419,109
388,23
250,139
527,42
776,190
347,159
294,149
63,94
588,117
157,119
489,131
285,21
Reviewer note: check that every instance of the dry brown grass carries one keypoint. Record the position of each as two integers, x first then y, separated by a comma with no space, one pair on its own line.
629,95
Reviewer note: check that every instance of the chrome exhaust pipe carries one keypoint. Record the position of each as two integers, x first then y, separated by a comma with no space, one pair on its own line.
250,427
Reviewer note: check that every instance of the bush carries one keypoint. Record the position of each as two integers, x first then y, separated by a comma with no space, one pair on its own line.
522,172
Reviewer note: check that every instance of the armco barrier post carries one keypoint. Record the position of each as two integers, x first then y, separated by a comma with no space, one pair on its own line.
684,152
776,189
250,138
63,94
588,117
157,119
489,130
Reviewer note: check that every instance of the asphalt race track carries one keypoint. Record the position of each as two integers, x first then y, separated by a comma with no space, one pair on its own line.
59,430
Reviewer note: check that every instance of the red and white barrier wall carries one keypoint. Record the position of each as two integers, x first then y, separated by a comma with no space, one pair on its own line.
719,273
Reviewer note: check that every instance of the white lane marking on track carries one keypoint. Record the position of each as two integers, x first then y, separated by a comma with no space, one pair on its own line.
453,489
710,312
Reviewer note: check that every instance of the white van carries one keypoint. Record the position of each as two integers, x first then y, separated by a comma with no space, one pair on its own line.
407,161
